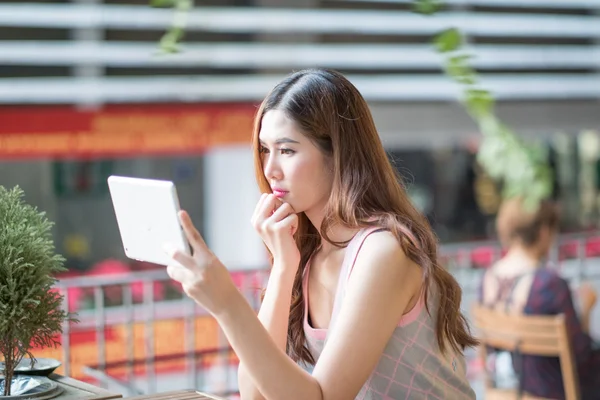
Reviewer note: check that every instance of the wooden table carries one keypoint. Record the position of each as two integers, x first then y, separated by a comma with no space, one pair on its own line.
77,390
189,394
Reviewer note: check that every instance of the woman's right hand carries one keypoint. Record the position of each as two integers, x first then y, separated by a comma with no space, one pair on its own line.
276,222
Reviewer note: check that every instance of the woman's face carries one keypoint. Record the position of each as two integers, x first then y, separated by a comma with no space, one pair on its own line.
297,171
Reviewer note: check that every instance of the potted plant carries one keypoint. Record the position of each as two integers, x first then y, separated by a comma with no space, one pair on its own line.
31,312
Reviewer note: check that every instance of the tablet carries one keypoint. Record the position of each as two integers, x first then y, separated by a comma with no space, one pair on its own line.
146,211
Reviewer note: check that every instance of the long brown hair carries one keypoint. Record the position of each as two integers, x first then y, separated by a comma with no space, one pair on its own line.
515,223
367,191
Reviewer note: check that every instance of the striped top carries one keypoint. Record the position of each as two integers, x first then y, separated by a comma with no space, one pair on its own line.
411,366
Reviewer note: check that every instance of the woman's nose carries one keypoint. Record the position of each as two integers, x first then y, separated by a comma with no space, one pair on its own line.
272,169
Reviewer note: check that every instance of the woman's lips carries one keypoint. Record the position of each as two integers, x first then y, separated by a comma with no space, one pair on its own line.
279,193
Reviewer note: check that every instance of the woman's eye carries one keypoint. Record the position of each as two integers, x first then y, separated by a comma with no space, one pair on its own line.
287,151
263,150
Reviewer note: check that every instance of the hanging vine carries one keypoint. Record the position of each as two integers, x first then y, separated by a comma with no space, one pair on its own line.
169,42
522,167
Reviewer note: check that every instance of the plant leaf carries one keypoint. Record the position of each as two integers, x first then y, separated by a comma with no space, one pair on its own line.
449,40
163,3
427,7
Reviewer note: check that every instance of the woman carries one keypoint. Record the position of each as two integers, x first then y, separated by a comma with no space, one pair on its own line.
355,294
519,283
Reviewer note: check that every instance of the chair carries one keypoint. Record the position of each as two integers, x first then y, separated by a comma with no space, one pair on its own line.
531,335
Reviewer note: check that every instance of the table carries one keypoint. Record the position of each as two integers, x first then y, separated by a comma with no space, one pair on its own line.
187,394
77,390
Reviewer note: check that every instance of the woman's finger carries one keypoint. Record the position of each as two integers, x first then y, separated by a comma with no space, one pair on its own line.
269,206
258,207
180,257
290,222
192,233
185,260
282,212
179,273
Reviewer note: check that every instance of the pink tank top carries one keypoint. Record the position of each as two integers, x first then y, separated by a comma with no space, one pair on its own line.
411,366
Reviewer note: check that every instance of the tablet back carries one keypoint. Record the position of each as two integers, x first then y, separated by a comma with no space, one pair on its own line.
146,211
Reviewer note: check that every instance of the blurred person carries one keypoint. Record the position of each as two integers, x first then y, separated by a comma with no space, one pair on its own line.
357,304
520,283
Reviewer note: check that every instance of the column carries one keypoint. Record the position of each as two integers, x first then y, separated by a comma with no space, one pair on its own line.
230,195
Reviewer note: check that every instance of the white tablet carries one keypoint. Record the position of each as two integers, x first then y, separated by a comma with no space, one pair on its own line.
146,211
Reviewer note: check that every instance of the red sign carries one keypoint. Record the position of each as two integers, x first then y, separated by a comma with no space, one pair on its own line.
122,130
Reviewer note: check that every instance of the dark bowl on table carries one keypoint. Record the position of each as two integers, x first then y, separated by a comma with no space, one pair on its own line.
41,367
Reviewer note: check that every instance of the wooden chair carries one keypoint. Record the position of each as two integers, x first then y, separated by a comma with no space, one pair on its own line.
530,335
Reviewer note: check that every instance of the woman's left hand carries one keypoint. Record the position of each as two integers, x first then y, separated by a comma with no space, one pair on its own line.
202,275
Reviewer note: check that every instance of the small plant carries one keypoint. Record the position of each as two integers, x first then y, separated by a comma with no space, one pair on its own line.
31,313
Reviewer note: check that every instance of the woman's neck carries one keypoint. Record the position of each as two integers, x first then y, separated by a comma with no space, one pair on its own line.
336,233
529,256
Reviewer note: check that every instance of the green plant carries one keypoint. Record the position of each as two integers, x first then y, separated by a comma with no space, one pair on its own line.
169,43
520,166
31,313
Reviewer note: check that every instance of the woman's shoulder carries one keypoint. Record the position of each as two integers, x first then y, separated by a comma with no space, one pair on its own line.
376,242
381,242
386,238
382,252
543,274
538,279
548,279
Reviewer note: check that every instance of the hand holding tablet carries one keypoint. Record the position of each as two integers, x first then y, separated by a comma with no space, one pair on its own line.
150,219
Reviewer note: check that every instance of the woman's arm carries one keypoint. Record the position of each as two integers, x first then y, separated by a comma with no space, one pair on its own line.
380,288
584,317
275,223
274,316
587,300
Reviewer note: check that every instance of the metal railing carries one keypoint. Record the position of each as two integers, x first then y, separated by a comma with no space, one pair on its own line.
145,313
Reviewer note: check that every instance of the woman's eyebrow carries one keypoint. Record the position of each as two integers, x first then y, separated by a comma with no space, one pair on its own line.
282,141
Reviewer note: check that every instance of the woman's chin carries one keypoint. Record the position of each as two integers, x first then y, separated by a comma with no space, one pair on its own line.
291,205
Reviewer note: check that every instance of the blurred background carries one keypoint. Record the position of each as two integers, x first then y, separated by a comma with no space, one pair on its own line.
86,92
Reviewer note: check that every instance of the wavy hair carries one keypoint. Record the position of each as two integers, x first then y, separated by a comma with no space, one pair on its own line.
367,191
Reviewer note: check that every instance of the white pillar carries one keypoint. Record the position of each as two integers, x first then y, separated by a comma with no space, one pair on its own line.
230,195
89,72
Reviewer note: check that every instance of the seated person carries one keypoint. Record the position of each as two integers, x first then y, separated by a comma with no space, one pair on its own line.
520,283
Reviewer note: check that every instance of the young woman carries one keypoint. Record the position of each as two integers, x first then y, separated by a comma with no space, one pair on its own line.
356,305
520,283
